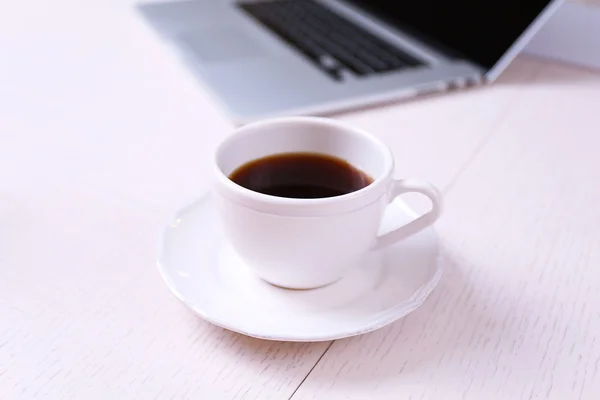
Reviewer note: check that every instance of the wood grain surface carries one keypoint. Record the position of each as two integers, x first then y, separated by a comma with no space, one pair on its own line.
516,315
100,146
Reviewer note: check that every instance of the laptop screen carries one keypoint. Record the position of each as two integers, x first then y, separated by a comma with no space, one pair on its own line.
478,30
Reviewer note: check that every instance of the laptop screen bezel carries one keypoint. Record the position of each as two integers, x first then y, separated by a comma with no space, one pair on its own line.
491,71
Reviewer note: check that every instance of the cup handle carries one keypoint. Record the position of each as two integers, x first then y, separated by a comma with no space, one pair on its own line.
400,187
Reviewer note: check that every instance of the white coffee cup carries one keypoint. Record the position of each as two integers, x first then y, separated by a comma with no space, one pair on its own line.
309,243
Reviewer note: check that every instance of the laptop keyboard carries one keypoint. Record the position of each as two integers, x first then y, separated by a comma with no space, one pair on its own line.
333,43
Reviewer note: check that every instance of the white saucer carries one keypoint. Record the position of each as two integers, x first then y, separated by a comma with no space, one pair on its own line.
204,273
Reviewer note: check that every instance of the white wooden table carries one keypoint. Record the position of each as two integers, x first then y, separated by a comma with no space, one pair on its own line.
103,135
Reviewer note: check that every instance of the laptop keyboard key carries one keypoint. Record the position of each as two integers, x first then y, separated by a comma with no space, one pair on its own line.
329,40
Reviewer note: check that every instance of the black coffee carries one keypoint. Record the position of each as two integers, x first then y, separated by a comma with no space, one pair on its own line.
301,176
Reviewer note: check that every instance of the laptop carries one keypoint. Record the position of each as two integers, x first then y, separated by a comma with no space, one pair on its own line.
268,58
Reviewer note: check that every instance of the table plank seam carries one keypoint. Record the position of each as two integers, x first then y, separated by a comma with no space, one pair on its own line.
311,369
486,139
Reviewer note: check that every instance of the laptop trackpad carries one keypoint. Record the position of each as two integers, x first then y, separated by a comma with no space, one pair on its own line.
220,45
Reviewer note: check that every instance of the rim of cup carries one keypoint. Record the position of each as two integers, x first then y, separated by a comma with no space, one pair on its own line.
373,191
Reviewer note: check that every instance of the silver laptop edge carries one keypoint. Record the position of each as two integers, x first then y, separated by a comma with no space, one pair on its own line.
253,74
522,41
